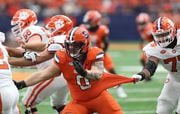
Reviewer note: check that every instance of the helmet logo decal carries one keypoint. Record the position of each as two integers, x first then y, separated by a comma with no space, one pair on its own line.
59,24
85,34
23,15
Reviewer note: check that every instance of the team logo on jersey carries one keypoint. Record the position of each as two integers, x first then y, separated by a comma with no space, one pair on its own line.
163,51
173,51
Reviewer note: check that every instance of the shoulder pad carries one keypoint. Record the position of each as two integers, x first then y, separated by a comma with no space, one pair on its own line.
95,53
33,30
56,43
54,47
60,57
152,49
104,29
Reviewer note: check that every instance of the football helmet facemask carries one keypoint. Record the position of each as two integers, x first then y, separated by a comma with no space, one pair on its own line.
92,19
164,31
77,42
142,20
21,19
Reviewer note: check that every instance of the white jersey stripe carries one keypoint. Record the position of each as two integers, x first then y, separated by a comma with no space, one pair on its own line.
72,33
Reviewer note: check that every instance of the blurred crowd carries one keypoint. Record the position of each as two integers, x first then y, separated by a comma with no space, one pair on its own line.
75,9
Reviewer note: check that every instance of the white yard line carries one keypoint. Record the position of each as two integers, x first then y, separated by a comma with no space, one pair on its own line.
135,99
138,68
140,112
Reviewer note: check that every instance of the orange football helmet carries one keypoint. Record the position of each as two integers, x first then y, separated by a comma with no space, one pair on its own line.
77,42
164,31
59,24
21,19
142,20
92,18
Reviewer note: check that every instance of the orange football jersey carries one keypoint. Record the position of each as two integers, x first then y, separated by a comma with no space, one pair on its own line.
83,89
98,36
146,34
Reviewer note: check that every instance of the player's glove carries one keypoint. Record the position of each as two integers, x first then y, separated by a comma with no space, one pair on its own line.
79,68
20,84
139,76
30,55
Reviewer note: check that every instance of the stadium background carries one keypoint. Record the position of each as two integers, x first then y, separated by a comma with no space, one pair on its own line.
120,16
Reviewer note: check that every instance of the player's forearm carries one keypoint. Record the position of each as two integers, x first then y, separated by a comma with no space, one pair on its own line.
14,52
96,71
39,46
94,74
35,78
149,68
20,62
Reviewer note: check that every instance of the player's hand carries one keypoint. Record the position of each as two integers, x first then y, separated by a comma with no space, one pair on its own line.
138,77
79,68
30,55
20,84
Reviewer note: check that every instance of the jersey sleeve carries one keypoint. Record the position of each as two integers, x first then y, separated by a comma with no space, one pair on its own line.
30,32
104,30
59,58
152,49
95,54
56,43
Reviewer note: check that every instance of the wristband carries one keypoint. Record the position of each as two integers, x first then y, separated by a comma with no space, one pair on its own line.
142,74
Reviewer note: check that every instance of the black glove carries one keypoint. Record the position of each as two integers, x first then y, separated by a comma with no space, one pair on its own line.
20,84
79,68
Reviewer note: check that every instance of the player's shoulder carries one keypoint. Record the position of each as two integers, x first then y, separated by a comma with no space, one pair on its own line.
60,56
56,43
152,49
95,53
34,28
151,45
104,28
59,39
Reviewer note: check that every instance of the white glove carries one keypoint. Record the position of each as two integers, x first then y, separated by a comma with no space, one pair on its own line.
137,77
30,55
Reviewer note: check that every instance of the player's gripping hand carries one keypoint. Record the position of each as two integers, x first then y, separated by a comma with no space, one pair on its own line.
20,84
30,55
139,76
79,68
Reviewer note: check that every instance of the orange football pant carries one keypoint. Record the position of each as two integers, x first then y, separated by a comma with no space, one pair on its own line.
103,104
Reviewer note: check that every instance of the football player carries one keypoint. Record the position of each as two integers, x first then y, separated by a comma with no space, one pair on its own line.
58,25
99,37
9,94
144,27
165,49
83,68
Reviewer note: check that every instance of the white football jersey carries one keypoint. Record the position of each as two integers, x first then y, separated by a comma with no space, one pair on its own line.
169,58
34,30
55,43
5,69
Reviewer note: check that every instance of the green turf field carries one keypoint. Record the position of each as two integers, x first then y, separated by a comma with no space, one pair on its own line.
142,96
